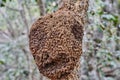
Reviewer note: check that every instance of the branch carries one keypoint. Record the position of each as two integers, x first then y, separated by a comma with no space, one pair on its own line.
29,13
41,7
11,8
4,36
23,16
112,70
10,28
14,9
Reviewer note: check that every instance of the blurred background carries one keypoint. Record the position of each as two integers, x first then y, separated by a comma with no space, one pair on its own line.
101,44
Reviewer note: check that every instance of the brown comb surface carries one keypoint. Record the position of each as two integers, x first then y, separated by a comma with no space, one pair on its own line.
55,41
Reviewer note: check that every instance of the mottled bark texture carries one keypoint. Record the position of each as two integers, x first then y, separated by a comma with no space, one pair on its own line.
55,40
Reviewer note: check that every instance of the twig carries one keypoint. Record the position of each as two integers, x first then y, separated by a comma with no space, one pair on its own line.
11,8
10,28
23,17
29,13
112,70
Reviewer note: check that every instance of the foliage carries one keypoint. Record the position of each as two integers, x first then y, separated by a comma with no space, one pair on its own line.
102,40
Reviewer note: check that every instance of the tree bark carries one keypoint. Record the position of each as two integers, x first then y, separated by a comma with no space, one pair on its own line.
41,7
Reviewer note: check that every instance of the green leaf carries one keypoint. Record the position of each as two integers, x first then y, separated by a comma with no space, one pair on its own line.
2,62
109,17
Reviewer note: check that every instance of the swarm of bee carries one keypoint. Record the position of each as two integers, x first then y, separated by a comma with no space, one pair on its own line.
55,40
